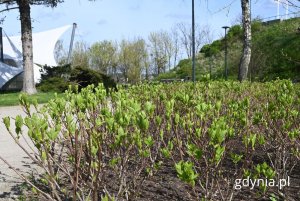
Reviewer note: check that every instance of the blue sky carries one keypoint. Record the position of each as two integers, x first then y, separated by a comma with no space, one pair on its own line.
117,19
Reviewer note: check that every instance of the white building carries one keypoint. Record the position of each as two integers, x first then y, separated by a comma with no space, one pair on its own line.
11,70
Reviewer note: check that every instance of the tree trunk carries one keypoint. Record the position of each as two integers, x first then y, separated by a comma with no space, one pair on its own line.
246,56
26,31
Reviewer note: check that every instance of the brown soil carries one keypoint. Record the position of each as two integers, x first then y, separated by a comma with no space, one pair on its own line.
164,185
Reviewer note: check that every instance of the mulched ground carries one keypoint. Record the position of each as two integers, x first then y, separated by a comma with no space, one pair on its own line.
165,186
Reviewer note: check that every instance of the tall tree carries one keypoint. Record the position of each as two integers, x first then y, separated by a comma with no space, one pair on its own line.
246,56
202,35
60,54
80,54
26,31
175,40
168,47
103,55
158,51
133,59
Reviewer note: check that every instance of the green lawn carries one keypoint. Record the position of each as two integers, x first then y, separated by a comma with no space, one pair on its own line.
9,98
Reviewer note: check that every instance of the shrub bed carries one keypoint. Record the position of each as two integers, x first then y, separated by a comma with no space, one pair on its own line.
213,135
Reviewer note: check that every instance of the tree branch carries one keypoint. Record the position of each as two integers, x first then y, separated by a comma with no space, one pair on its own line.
290,3
6,2
226,7
8,9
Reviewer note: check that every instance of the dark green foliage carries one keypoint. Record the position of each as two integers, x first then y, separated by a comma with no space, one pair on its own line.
182,71
59,78
168,75
184,68
256,26
275,50
212,49
85,76
54,78
277,47
54,84
57,71
235,32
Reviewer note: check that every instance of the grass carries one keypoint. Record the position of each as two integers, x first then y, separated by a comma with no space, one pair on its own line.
12,98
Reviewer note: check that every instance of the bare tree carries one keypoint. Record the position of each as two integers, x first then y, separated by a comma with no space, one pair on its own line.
168,46
207,34
203,35
158,52
246,56
60,54
185,38
175,41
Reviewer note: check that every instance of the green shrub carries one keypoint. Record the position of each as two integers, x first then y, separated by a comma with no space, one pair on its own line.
85,76
212,133
235,33
212,49
168,75
58,78
53,84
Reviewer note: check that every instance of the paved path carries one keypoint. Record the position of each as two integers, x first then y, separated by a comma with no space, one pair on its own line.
10,151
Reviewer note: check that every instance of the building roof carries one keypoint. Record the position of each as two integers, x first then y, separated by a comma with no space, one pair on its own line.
7,72
43,52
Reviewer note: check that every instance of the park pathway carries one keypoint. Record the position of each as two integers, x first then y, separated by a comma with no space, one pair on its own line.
9,181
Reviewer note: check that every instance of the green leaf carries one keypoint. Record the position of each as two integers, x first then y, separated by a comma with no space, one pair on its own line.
185,172
33,190
219,150
158,164
143,122
144,153
161,134
252,140
110,122
6,121
236,158
295,133
18,123
246,173
149,107
149,141
176,119
114,161
261,139
94,150
52,134
43,156
194,151
165,152
218,105
120,137
219,131
198,132
158,120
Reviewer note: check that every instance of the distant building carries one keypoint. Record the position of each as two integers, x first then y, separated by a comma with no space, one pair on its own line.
11,69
